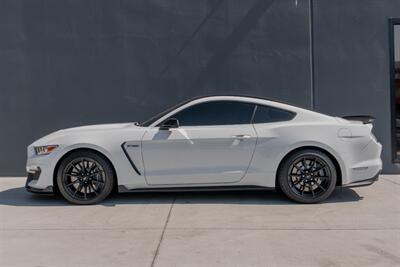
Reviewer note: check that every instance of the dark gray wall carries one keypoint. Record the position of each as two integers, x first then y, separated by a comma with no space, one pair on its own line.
351,56
67,63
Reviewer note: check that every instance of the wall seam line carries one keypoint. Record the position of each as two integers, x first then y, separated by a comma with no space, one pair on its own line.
311,30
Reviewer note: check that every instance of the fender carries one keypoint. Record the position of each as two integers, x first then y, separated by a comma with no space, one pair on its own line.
310,143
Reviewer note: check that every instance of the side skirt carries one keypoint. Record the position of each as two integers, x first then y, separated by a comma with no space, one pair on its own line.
123,189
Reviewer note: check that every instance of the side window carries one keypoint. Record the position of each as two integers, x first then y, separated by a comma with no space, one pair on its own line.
216,113
265,114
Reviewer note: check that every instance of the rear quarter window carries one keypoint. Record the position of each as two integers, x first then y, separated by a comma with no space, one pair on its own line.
265,114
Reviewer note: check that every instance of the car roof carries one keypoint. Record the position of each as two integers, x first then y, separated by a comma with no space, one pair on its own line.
239,96
246,98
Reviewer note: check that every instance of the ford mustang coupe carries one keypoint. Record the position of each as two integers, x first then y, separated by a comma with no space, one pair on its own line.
209,143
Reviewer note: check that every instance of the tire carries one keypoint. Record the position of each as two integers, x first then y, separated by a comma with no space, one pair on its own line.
307,176
85,177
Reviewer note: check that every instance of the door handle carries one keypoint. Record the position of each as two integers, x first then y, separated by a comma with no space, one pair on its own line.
241,136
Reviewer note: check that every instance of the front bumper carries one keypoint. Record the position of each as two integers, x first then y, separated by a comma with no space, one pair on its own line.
31,181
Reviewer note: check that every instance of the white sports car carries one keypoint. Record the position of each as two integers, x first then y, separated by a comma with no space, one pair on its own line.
209,143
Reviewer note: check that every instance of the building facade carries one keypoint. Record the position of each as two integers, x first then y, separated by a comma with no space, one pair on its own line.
68,63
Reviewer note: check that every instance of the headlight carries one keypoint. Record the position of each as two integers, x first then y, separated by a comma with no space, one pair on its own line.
44,150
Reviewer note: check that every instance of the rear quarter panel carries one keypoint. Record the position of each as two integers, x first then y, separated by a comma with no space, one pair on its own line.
276,140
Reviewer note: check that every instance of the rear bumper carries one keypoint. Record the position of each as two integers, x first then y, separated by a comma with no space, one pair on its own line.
361,167
365,182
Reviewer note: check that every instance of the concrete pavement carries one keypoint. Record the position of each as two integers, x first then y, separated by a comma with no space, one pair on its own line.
355,227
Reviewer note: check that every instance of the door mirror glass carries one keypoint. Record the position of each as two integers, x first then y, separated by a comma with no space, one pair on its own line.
169,123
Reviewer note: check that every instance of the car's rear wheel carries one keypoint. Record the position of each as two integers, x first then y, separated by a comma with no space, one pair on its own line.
307,176
85,177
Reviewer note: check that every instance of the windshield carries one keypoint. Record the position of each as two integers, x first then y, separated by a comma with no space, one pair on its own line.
153,119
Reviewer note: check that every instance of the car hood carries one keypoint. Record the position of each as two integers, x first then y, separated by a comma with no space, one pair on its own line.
52,137
97,127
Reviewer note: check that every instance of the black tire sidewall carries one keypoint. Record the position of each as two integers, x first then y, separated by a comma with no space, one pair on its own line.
109,177
284,183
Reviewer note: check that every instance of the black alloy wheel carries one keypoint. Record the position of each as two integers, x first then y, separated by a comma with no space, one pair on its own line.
308,176
85,177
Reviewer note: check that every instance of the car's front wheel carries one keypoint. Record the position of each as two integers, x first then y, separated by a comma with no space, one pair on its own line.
85,177
307,176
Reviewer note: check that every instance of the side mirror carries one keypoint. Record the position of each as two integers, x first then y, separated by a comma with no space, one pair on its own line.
170,123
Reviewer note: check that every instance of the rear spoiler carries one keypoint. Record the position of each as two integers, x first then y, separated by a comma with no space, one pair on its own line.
365,119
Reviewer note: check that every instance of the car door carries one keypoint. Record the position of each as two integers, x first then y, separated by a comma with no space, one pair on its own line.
214,143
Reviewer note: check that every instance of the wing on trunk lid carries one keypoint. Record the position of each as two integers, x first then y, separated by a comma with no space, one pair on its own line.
365,119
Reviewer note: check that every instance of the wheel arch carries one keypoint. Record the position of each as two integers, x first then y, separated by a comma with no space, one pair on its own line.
55,185
323,150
